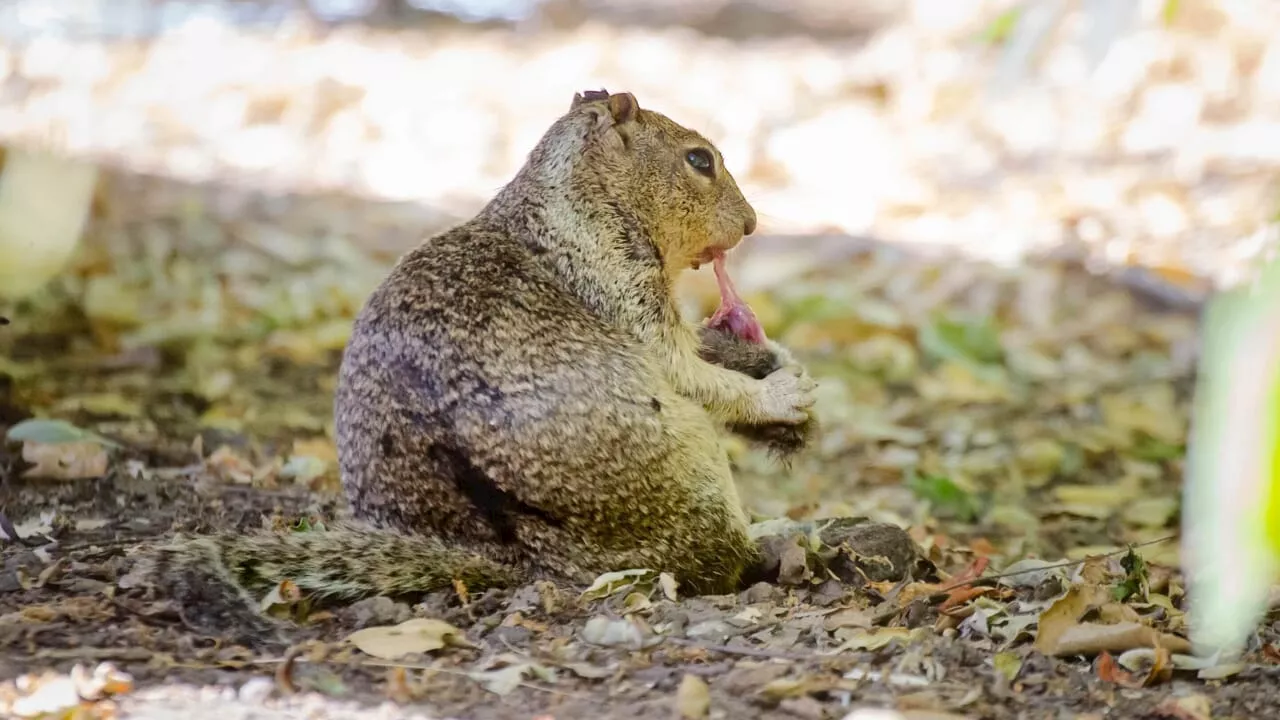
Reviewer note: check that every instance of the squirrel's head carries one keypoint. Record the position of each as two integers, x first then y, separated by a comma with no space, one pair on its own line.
671,177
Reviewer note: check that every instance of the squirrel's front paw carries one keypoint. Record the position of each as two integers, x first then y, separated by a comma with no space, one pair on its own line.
787,395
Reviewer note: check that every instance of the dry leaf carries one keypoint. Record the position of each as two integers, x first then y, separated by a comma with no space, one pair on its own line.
860,639
1153,665
1110,671
1187,707
1093,638
1008,664
693,697
793,565
606,632
669,585
1066,612
636,602
848,618
419,635
503,680
590,672
285,593
65,461
780,689
611,582
1030,572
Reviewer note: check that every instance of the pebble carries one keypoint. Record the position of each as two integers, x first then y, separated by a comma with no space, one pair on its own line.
257,690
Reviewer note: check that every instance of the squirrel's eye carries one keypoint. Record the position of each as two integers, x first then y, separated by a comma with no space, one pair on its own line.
700,160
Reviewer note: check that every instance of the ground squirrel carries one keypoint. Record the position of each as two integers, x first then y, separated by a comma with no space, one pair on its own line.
520,397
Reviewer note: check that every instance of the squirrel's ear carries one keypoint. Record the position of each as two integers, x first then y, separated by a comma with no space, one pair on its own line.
588,96
623,107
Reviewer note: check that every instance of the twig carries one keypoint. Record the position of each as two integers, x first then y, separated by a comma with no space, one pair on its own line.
1066,563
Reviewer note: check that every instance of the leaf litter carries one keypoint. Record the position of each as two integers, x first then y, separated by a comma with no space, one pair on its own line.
1008,437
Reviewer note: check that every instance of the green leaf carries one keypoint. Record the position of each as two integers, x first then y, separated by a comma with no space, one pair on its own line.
1135,581
612,582
54,432
975,341
1169,12
1157,450
1000,28
946,497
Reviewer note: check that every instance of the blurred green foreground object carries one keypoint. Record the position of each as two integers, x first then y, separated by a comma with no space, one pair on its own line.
44,204
1231,509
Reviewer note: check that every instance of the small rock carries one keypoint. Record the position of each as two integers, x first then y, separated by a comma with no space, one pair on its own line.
717,630
672,619
376,611
828,593
693,697
601,630
803,707
761,592
257,690
511,634
874,714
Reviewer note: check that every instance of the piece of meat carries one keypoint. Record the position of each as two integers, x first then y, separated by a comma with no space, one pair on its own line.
733,314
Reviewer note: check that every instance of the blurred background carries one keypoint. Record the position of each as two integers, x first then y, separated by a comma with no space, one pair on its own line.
987,225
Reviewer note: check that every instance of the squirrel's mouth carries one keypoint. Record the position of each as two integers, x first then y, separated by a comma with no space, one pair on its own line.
734,315
711,254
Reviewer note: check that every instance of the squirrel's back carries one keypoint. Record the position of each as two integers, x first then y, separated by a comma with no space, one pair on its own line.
478,395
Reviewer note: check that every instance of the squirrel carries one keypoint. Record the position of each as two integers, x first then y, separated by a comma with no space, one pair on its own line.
520,398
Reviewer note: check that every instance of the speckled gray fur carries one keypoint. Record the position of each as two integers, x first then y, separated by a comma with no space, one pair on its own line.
520,397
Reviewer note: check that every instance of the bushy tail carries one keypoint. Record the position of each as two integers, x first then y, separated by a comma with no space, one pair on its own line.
225,577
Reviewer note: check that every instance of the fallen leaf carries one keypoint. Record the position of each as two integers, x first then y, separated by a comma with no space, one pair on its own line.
503,680
636,602
860,639
303,469
669,585
54,432
1030,572
65,460
285,594
961,595
693,697
1012,627
1110,671
1152,665
1008,664
793,565
970,340
1149,409
102,404
776,691
590,672
606,632
1187,707
611,582
1065,613
848,617
85,524
65,696
945,497
418,635
1093,638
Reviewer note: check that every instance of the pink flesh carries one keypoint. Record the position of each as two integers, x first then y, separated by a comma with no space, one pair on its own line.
733,314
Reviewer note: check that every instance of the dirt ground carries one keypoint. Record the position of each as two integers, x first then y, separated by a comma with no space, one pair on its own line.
999,415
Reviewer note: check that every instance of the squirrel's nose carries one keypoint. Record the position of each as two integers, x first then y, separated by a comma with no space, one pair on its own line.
749,225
